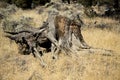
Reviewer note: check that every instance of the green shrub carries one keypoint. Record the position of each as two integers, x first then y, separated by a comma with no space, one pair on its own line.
26,3
88,3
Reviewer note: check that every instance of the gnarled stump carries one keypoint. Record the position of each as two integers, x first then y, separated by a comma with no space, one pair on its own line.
65,34
59,33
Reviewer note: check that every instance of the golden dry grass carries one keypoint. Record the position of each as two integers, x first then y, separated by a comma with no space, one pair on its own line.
81,66
37,19
102,39
100,20
105,22
6,46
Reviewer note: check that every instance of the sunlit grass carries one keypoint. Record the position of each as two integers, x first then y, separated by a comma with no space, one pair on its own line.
7,46
37,19
102,39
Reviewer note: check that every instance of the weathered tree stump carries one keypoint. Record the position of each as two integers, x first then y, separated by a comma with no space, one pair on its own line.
65,34
58,33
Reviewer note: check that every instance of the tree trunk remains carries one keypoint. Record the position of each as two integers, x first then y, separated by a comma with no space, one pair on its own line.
58,33
65,34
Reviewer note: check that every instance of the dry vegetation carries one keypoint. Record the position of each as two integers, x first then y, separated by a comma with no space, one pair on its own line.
82,66
37,19
106,37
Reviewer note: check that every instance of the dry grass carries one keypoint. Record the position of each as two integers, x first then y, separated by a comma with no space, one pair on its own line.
102,39
102,23
82,66
37,19
99,20
6,46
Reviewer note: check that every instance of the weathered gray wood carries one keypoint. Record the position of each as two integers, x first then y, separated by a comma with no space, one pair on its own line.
65,34
62,34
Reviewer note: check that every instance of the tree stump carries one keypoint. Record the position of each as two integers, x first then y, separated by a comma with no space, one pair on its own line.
58,33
